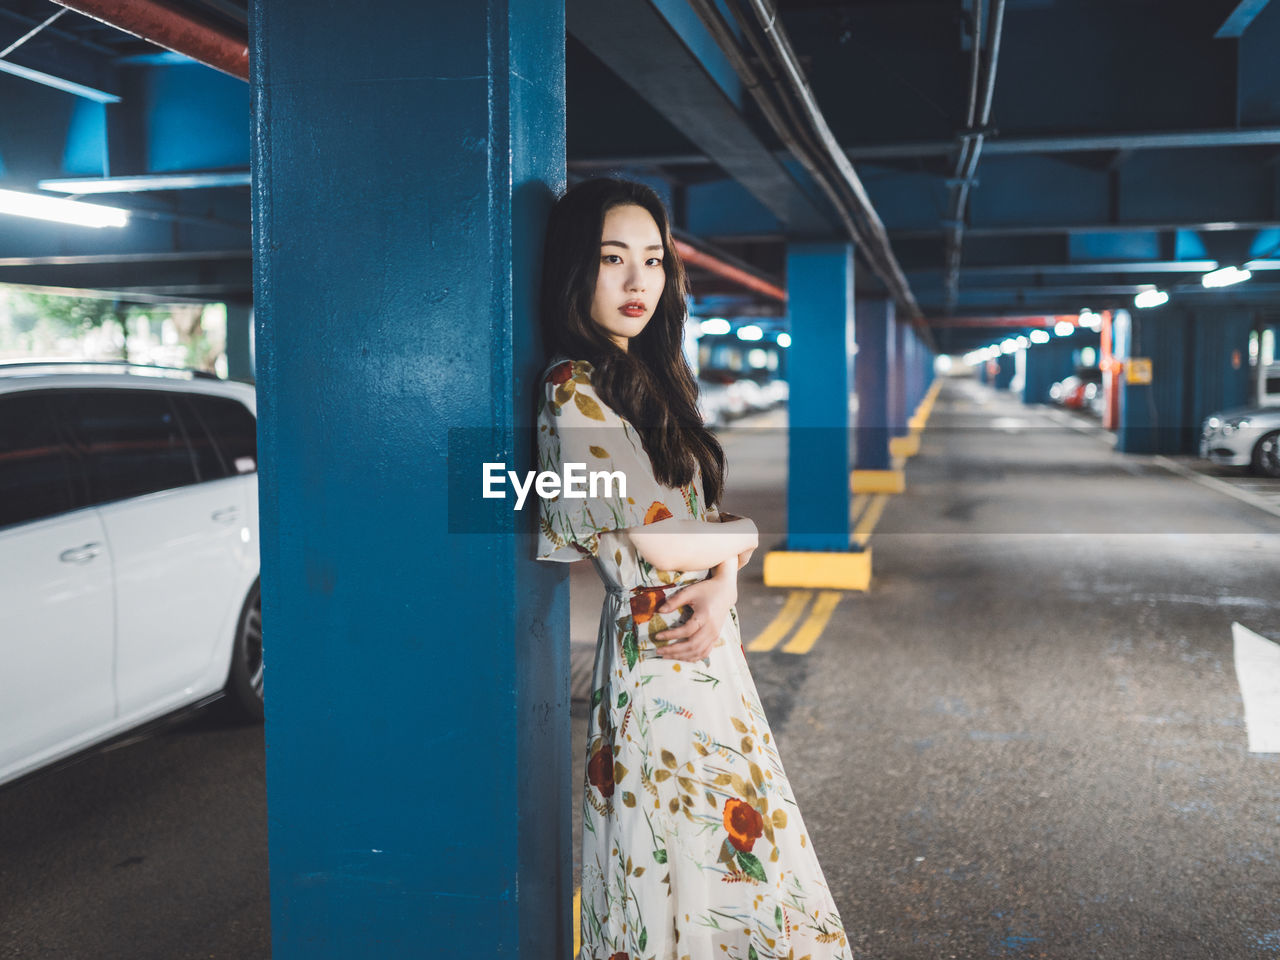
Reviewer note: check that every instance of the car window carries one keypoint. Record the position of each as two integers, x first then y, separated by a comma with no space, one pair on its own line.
35,468
130,442
209,462
234,430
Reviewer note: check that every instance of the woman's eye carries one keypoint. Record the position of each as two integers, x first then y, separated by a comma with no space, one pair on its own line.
610,257
655,261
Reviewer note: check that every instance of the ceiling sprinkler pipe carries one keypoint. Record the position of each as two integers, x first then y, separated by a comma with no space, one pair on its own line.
970,154
691,255
805,133
165,27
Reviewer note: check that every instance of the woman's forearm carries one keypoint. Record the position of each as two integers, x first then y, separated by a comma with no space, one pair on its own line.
674,544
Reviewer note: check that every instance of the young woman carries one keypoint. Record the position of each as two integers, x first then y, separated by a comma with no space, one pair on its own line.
692,843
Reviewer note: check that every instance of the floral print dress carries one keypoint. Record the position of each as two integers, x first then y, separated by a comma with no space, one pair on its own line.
693,846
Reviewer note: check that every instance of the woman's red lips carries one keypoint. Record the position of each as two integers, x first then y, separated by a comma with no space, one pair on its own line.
633,308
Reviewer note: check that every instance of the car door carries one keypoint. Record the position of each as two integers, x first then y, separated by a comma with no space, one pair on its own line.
176,542
56,605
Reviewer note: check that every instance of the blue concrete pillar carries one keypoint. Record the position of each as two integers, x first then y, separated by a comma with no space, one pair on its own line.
239,361
418,756
898,412
1220,355
820,454
871,378
1047,363
1007,368
1152,417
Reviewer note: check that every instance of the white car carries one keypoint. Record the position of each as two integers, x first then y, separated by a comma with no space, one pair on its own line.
1245,436
128,552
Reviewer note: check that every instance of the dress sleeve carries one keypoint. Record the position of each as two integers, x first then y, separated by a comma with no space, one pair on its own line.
576,427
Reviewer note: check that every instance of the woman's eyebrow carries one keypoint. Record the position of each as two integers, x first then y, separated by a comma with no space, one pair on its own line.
619,243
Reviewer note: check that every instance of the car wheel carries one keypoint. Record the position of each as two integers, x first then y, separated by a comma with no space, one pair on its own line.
244,681
1266,455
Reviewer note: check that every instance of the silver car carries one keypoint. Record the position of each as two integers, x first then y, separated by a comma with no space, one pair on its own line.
1244,436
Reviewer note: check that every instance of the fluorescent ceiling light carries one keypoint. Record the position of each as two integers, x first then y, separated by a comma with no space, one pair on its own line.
1008,346
1225,277
1040,336
750,332
61,211
784,339
157,181
1064,328
715,325
1150,298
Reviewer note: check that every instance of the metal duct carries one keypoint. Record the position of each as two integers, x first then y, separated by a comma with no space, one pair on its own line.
165,27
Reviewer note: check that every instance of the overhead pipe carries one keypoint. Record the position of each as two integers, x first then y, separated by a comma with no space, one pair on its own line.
691,255
971,149
165,27
804,131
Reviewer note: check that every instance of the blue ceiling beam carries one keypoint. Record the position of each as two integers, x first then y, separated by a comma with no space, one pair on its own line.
1120,266
1239,19
693,94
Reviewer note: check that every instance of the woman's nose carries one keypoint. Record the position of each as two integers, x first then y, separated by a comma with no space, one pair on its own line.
635,279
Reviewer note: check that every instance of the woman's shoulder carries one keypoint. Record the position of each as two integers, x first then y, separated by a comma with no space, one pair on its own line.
562,369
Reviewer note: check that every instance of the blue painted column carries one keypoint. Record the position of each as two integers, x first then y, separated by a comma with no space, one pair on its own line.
898,412
1152,418
418,755
239,360
1004,375
820,452
1047,363
871,379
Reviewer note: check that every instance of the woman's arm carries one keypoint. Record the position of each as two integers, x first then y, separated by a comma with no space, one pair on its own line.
675,544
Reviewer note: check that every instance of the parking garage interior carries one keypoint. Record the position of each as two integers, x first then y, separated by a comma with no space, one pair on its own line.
984,309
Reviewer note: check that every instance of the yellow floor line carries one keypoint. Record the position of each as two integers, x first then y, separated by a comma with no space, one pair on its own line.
858,505
812,628
869,520
780,625
577,922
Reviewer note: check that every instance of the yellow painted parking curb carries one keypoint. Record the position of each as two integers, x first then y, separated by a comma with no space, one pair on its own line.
878,481
818,570
577,922
907,446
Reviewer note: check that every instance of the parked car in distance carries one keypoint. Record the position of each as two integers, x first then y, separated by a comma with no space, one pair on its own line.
1243,436
128,553
1076,391
724,396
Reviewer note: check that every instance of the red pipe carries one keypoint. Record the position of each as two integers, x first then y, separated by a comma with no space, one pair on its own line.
158,24
695,257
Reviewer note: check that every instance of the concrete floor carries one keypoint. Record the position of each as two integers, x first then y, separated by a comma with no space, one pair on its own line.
1027,739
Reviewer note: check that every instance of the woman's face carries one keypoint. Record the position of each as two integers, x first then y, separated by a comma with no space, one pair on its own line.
631,277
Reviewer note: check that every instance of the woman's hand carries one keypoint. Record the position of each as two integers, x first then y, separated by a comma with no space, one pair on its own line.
710,600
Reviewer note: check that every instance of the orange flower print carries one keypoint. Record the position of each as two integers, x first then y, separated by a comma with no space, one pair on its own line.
645,602
657,511
560,373
600,770
743,822
620,955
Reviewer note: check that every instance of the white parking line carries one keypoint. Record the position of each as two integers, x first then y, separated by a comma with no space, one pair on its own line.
1258,672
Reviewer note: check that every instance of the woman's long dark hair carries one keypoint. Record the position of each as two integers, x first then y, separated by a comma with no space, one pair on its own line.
650,384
